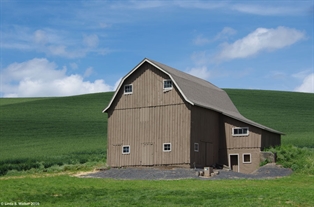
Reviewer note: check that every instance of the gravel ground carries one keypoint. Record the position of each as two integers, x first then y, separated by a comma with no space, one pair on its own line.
161,173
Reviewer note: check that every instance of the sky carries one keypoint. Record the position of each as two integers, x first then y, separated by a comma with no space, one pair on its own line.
64,48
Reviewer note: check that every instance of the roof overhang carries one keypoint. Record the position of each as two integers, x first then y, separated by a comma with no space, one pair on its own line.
244,120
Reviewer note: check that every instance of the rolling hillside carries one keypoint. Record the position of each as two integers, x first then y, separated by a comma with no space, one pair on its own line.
289,112
73,129
55,130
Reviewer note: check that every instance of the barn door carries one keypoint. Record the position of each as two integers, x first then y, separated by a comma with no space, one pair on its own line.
234,163
147,154
209,159
115,155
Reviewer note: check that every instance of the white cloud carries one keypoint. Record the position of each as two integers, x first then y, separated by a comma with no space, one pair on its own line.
201,72
200,58
225,33
260,40
74,66
268,10
302,74
62,50
200,40
104,25
278,75
88,71
307,85
41,78
51,42
91,40
202,4
138,4
40,37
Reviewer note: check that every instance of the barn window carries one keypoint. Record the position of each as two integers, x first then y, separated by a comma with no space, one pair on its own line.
167,84
240,131
196,147
247,158
126,149
128,89
167,147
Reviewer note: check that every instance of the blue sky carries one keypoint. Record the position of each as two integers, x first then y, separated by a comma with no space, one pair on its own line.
62,48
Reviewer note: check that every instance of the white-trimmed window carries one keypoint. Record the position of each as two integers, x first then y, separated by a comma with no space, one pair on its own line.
128,89
126,149
246,158
196,147
240,131
167,84
167,147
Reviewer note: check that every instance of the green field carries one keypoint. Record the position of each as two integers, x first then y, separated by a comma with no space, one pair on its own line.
289,112
52,126
55,135
65,130
71,191
41,128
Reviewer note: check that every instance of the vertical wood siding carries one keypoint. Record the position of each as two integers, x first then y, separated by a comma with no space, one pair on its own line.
146,132
148,91
252,144
205,131
253,140
270,139
239,145
145,120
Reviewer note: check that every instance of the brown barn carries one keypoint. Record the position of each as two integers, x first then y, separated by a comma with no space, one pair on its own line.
163,116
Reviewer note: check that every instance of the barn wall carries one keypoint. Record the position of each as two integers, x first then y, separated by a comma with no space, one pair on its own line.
145,130
205,132
253,140
245,167
270,139
145,120
239,145
147,90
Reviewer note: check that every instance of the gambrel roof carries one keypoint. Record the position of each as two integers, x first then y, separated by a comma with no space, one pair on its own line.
197,92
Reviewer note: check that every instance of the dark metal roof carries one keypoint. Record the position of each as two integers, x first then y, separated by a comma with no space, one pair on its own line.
199,92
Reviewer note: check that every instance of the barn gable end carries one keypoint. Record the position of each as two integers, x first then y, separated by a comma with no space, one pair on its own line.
146,119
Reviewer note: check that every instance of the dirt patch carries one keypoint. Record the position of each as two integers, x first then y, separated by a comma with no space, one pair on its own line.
80,174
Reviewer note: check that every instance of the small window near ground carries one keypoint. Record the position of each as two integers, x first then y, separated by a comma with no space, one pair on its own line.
167,84
196,147
167,147
246,158
240,131
126,149
128,89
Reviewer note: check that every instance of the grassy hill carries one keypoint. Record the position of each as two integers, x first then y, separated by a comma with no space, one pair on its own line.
69,130
53,130
289,112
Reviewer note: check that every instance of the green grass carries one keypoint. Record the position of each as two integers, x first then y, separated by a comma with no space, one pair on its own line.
53,130
63,190
50,127
289,112
69,134
11,101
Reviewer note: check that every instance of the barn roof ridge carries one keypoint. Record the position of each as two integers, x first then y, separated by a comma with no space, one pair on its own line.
197,91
